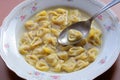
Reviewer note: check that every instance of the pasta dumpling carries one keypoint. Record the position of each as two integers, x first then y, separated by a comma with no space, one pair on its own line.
65,48
24,49
41,16
74,51
63,55
82,56
58,66
52,59
35,42
31,59
82,42
61,11
81,64
94,37
74,16
74,35
92,54
42,65
69,65
31,25
48,50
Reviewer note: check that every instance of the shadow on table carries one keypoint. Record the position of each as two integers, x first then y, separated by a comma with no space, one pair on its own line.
108,75
13,76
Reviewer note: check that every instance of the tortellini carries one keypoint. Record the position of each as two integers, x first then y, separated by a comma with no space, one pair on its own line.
81,64
69,65
31,59
42,65
74,16
40,48
94,37
63,55
41,16
24,49
92,54
82,42
58,66
74,51
52,59
74,35
31,25
82,56
61,18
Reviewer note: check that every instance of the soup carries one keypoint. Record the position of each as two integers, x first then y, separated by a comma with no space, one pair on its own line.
39,44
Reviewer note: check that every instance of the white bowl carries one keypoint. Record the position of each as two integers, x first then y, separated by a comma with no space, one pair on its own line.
12,28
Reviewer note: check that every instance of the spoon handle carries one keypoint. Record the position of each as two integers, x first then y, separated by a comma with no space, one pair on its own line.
109,5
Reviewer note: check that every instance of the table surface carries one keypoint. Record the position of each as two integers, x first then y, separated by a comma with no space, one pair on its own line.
5,74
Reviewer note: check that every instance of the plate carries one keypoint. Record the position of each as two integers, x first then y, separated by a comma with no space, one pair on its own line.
12,29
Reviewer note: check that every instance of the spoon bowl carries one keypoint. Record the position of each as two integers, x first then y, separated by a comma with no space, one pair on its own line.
83,27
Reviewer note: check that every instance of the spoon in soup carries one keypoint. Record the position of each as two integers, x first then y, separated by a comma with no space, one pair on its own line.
82,26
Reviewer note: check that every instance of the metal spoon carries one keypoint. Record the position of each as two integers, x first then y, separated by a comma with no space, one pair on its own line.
82,26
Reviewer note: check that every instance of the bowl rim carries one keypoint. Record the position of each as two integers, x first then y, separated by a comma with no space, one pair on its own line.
23,3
